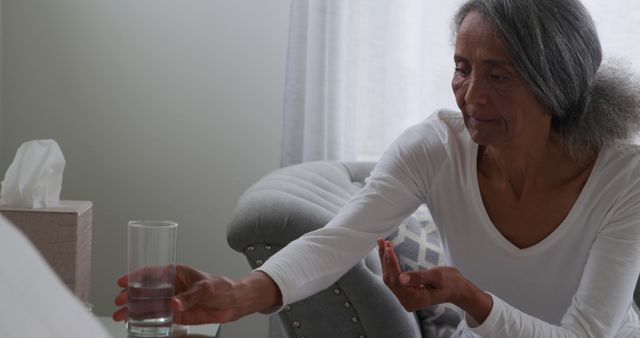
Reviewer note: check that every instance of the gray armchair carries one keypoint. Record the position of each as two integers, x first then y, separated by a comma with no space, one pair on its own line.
292,201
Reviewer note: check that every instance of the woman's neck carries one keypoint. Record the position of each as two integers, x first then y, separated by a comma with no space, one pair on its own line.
536,165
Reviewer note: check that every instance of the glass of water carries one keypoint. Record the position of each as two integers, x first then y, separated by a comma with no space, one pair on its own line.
151,277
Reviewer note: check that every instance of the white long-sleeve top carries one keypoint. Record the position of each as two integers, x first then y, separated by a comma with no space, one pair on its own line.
577,282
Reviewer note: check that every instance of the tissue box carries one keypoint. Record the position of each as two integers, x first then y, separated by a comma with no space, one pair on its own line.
63,236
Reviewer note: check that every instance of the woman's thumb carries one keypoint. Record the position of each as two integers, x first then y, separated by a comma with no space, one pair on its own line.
405,279
414,278
184,301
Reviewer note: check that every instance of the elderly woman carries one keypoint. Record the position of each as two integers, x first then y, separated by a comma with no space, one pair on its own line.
534,189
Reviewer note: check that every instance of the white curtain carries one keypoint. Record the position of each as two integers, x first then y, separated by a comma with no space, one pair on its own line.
361,71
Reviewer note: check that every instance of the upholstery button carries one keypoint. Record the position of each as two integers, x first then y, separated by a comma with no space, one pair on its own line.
354,319
347,305
296,324
287,308
251,248
336,291
267,247
259,262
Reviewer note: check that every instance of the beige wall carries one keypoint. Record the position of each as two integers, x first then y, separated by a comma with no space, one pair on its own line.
164,109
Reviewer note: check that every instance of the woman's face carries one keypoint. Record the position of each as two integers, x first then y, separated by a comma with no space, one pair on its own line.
497,106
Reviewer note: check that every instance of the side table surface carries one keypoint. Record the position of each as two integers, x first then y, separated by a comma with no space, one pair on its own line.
118,329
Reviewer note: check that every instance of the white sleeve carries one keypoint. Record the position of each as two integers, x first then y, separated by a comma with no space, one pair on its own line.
605,292
319,258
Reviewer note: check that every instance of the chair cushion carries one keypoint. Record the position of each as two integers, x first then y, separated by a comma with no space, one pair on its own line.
417,245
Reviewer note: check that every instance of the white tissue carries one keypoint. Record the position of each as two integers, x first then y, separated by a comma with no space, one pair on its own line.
34,178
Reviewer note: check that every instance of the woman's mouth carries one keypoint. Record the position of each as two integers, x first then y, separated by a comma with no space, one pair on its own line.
480,120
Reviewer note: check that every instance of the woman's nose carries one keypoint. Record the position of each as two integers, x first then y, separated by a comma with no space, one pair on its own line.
477,90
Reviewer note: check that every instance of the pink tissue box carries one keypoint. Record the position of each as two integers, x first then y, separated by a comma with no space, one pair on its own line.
63,236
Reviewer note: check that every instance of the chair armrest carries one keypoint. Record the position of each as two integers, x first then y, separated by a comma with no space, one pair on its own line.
292,201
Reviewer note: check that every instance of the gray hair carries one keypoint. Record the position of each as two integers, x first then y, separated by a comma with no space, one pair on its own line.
554,46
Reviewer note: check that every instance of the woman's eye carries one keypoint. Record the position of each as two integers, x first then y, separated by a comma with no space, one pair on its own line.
461,71
498,78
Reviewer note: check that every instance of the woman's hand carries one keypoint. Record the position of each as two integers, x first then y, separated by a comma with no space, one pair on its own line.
412,298
203,298
418,289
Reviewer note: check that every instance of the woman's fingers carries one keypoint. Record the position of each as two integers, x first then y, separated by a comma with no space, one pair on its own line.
417,289
442,283
433,277
120,315
385,260
122,298
392,262
123,280
383,263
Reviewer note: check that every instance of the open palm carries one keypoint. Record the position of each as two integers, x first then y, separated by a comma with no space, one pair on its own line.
416,289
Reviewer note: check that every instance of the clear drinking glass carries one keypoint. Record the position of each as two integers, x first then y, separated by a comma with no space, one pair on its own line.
151,274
